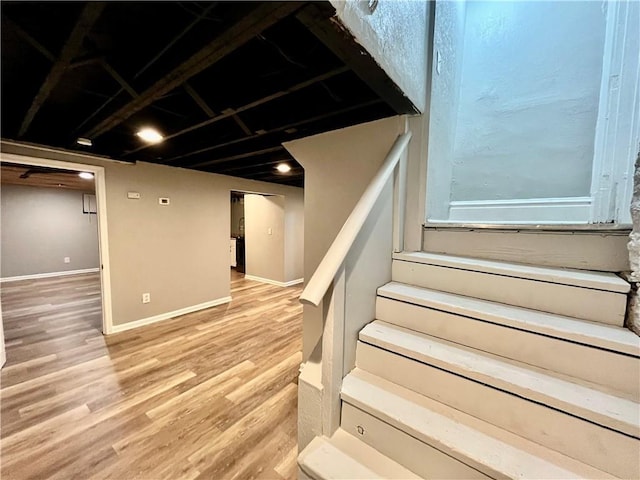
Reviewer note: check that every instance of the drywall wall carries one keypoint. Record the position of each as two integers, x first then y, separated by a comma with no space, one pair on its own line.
294,238
395,35
179,252
446,71
338,167
265,237
528,99
42,226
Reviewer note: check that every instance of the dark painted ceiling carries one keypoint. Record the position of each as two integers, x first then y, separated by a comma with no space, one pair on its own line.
225,82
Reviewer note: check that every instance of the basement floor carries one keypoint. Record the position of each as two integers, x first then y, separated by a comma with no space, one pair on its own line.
208,395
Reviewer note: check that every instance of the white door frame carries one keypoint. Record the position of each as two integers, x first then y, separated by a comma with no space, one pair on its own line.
103,237
617,136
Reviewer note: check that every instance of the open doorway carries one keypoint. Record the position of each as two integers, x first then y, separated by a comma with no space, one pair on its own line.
50,269
91,206
237,237
266,235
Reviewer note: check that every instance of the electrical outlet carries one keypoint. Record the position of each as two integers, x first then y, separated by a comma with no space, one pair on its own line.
146,298
67,259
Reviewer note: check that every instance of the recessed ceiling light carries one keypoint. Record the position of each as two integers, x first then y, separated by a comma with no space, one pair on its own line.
283,167
86,175
84,141
150,135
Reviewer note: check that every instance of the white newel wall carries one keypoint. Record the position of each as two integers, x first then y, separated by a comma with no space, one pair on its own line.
331,192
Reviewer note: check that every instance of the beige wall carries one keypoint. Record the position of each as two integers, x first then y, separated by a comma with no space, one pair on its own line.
179,253
277,256
338,167
294,238
264,239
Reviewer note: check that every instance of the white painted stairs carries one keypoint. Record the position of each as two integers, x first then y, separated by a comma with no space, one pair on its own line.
486,369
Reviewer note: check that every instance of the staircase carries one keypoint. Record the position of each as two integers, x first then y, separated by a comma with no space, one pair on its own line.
486,369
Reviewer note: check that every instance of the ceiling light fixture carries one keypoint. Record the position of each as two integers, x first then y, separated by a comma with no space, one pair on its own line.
84,141
150,135
86,175
283,167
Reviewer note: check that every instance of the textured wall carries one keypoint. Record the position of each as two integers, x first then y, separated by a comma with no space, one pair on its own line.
448,45
528,100
395,35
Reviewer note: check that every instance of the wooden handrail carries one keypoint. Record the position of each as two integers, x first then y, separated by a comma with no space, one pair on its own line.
333,259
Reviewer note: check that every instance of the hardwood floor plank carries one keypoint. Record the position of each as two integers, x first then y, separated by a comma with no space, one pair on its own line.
206,395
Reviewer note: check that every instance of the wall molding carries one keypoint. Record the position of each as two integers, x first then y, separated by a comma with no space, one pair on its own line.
521,211
48,275
274,282
168,315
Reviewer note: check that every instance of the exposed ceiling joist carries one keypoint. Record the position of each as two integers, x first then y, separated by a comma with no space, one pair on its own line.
249,166
269,98
29,39
320,20
173,41
118,78
238,157
199,100
88,17
278,129
261,18
238,120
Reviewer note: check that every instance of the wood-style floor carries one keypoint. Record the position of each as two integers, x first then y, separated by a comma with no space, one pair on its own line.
207,395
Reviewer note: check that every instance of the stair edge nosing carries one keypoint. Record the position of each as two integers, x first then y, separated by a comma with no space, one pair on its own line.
599,280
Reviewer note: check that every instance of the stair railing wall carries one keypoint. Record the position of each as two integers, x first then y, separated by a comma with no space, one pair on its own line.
343,287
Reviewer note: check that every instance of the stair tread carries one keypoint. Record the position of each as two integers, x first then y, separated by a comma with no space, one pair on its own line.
579,278
343,456
480,445
575,397
595,334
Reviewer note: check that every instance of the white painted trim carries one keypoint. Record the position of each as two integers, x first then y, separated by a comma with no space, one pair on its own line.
168,315
103,235
521,211
333,353
274,282
617,136
48,275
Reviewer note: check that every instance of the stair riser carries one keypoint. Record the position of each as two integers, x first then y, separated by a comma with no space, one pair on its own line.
589,304
585,441
620,372
415,455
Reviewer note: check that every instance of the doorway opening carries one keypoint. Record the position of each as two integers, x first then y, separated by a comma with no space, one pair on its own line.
237,238
91,206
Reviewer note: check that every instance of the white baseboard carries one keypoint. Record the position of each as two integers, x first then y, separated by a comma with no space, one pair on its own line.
166,316
274,282
521,211
48,275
